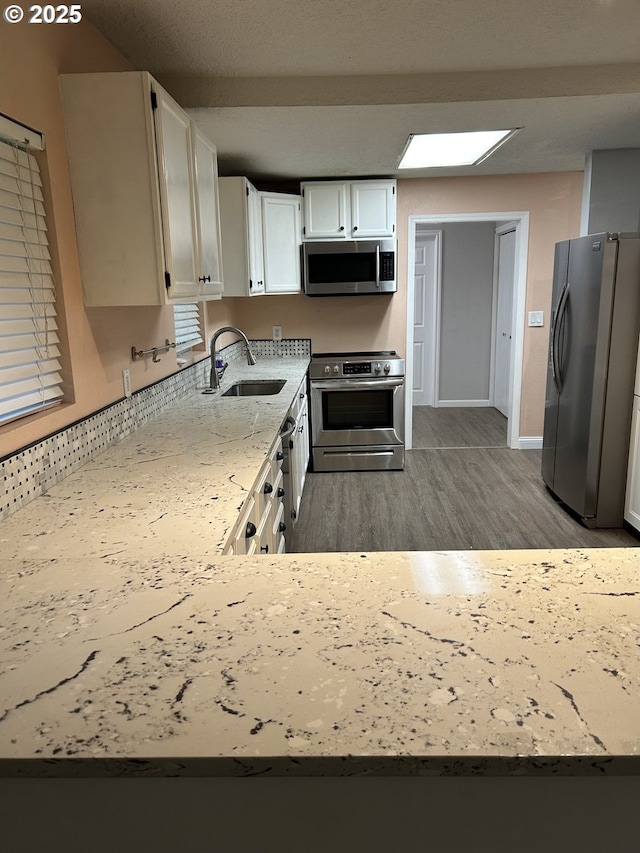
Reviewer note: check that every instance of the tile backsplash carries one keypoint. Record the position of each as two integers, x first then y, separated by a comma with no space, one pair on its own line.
28,473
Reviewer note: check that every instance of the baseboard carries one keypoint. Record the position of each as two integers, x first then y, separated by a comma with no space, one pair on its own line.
530,442
462,404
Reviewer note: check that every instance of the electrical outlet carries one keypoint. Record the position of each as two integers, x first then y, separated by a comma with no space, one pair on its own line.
126,382
277,333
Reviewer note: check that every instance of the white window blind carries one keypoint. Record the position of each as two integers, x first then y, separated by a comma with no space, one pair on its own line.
29,355
188,326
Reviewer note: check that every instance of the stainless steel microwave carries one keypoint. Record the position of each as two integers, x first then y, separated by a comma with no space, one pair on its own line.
349,267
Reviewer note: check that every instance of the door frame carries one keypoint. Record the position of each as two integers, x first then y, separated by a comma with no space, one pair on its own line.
521,221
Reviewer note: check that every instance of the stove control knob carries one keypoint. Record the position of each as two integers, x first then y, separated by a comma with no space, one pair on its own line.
336,368
327,369
378,367
387,367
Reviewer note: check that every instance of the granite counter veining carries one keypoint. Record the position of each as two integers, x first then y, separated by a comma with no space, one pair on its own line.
175,486
130,646
513,662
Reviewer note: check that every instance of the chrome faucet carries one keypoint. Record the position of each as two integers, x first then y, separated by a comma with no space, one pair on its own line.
217,373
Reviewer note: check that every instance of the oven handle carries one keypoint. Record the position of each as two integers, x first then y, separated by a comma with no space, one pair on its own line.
351,385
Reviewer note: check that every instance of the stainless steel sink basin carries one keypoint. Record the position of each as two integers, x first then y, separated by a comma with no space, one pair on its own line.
256,388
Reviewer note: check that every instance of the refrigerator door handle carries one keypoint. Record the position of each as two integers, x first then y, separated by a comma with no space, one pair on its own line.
555,330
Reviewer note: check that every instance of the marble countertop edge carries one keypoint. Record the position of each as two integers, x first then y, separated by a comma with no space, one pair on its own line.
323,766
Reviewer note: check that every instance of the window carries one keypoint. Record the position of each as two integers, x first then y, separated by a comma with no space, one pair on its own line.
29,355
188,328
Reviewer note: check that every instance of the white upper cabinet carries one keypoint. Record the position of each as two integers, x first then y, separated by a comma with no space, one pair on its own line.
335,210
260,239
241,229
143,223
281,231
373,209
208,210
325,210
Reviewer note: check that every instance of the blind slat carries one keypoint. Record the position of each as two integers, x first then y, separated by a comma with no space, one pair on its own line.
30,377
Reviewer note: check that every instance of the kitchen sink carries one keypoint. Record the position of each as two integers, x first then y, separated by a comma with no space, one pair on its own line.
256,388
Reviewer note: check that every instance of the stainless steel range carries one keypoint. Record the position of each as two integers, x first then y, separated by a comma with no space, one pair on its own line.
357,411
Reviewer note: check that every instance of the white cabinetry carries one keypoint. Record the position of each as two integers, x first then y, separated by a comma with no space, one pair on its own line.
260,527
298,453
208,216
353,210
632,500
146,228
241,228
281,233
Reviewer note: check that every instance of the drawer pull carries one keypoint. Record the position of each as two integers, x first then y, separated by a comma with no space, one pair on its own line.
282,527
264,549
280,492
250,530
279,456
268,488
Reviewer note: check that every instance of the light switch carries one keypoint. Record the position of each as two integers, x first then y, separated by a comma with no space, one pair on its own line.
536,318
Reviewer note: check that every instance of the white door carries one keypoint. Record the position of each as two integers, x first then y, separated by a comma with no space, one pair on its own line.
256,259
504,322
425,318
210,269
373,209
281,242
325,211
173,139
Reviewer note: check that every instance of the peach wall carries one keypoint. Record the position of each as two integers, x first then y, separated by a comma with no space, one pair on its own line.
553,201
96,342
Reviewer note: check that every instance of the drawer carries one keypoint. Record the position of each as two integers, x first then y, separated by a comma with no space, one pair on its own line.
239,539
298,402
263,490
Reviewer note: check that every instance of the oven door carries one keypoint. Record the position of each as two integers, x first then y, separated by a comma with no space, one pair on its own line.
357,412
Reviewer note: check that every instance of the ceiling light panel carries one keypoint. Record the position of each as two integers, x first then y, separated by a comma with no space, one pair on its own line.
433,150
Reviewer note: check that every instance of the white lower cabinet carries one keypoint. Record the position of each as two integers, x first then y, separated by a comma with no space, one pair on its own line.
632,502
298,453
259,526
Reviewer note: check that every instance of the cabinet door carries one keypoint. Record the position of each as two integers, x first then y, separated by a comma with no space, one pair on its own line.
325,211
373,209
299,458
209,262
254,220
632,502
281,242
173,140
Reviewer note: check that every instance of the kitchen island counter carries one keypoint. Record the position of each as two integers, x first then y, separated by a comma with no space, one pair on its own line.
451,663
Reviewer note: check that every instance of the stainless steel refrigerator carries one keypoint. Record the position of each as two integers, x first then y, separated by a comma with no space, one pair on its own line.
595,322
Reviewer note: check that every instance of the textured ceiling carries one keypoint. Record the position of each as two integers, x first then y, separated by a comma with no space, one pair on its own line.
310,88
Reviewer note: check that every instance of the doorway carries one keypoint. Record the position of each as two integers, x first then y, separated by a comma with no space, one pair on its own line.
425,304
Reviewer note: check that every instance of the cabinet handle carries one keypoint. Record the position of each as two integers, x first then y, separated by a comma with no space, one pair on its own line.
342,227
250,285
280,492
302,395
250,531
279,456
205,278
268,488
264,549
282,527
355,227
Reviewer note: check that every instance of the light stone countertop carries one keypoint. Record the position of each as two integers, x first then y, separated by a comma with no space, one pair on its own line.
175,486
130,646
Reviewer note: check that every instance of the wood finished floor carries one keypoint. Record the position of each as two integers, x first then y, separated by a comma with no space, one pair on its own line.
461,489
